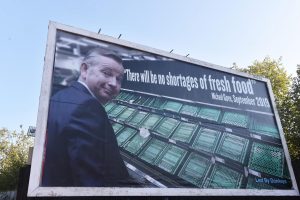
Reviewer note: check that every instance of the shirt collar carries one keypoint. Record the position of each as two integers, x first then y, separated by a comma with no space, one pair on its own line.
87,89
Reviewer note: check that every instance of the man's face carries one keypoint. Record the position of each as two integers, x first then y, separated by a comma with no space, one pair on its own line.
104,78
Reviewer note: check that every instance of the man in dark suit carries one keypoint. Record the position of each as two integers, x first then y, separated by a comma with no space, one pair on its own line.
81,147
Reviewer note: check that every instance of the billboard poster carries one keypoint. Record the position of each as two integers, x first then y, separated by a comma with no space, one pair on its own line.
121,119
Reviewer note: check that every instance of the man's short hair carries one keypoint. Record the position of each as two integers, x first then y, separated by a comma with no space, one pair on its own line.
88,59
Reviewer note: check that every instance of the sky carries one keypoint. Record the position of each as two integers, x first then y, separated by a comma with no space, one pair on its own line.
218,32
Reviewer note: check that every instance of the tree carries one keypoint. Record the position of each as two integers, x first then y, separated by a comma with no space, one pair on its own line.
290,112
13,155
287,98
275,72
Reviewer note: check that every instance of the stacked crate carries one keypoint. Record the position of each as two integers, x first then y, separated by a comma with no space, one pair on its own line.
197,145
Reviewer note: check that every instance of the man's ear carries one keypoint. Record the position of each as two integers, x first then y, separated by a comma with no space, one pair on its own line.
83,70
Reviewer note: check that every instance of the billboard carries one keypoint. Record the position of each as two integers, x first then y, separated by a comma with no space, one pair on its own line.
175,127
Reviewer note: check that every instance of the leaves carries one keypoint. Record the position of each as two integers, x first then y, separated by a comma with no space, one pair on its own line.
13,155
287,96
292,115
275,72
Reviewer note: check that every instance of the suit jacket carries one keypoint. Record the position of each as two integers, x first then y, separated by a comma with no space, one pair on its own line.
81,147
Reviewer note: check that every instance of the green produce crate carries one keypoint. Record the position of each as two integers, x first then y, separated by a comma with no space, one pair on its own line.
266,130
189,110
157,103
170,159
135,144
195,169
166,127
265,127
117,127
130,97
206,140
153,149
172,106
122,95
150,121
254,183
223,177
137,118
109,106
115,111
266,158
140,100
124,135
233,147
149,101
286,173
235,119
209,114
184,132
126,113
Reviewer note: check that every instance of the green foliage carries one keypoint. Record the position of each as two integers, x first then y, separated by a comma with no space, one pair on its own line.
13,155
287,98
291,116
275,72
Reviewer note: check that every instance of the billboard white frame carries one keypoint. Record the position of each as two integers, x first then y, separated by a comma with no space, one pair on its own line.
35,189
